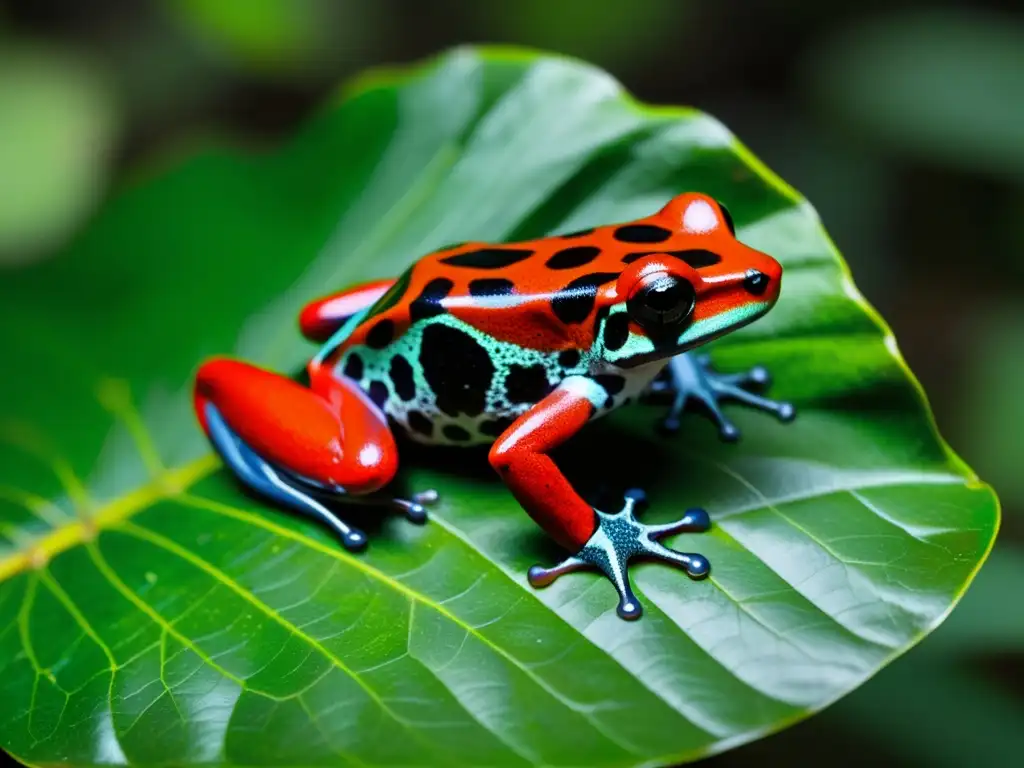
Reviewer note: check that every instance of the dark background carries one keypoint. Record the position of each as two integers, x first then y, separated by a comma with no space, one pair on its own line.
902,122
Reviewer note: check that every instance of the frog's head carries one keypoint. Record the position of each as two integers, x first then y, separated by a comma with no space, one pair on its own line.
672,300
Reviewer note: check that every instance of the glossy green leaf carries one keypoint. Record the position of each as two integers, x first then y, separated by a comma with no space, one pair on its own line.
956,700
154,614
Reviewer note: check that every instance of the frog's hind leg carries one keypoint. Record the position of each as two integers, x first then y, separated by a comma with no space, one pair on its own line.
292,444
322,317
687,378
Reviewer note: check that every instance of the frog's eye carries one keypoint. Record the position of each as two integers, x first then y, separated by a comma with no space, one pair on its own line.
728,218
661,301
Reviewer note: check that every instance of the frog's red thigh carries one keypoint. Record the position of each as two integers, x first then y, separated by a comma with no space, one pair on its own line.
322,317
330,433
520,456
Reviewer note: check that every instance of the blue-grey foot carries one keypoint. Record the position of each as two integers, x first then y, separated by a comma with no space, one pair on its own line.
297,493
619,538
688,378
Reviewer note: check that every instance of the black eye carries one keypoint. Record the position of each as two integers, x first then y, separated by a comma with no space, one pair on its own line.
663,302
728,218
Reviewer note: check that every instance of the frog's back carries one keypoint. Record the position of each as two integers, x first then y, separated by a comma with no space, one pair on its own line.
470,337
537,293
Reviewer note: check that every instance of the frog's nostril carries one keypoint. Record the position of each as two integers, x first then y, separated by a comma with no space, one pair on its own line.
756,282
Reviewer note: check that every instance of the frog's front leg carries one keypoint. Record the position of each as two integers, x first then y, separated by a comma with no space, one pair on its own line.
690,377
292,444
595,538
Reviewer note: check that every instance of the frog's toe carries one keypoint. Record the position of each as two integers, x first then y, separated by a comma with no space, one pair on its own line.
696,566
757,377
414,511
696,520
670,423
727,431
539,576
784,411
429,496
415,508
354,540
638,496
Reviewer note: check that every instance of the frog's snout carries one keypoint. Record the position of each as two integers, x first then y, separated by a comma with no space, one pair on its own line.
763,280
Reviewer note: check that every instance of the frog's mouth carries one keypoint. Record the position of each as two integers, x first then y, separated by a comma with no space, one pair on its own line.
640,350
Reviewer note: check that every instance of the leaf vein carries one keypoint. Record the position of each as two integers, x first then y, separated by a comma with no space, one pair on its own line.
176,549
242,515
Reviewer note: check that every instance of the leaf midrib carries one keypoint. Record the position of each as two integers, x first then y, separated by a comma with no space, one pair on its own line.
165,484
414,597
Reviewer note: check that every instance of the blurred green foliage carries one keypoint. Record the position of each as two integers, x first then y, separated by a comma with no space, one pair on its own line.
58,123
615,34
269,34
993,423
901,121
278,39
938,86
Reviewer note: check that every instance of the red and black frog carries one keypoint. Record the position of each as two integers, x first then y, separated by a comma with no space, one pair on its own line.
514,345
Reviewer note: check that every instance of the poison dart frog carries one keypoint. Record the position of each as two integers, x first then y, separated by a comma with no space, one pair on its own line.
516,346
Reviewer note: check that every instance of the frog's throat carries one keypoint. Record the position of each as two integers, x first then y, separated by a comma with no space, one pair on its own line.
697,333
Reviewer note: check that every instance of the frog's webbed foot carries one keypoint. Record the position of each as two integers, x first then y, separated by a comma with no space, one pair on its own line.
686,378
619,538
298,493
